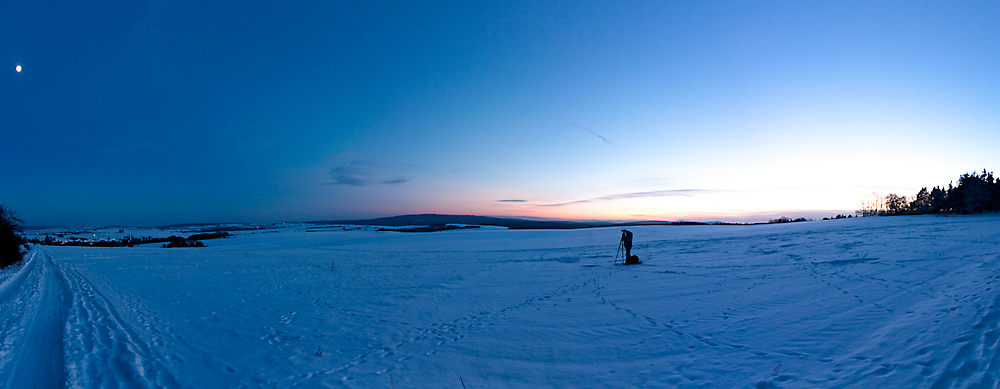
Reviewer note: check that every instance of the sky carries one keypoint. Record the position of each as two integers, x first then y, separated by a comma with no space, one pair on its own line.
165,112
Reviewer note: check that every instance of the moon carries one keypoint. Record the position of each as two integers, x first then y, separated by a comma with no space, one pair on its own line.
18,68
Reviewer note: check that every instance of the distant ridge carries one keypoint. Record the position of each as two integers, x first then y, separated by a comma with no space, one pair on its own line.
515,224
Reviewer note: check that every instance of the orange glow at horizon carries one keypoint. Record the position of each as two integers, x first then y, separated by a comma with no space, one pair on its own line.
726,206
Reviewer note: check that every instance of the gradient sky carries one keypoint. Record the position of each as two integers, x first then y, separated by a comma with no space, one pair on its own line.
138,112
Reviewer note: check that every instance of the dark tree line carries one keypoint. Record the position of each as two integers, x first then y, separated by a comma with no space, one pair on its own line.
10,240
975,193
786,219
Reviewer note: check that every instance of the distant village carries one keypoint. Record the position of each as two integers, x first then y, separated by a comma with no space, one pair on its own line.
129,241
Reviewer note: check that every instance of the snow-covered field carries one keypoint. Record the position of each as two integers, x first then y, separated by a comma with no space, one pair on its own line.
873,302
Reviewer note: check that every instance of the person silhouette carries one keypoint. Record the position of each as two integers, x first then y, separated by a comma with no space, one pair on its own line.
627,242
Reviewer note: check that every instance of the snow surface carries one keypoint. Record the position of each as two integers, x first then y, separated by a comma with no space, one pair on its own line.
871,302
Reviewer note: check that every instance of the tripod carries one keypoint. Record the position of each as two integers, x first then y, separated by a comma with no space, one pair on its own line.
621,246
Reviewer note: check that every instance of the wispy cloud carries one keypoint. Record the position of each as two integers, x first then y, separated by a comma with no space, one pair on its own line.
634,195
395,181
351,174
512,201
610,143
363,173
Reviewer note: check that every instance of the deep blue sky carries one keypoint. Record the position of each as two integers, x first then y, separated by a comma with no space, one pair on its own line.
136,112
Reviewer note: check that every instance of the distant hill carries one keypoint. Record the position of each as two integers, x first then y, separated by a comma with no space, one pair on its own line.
516,224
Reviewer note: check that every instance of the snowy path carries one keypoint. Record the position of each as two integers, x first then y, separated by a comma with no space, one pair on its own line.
60,332
894,302
34,308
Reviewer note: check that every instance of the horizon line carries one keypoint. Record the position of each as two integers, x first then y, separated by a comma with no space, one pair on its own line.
512,217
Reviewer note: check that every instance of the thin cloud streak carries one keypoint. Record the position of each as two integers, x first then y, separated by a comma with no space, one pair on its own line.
610,143
512,201
635,195
395,181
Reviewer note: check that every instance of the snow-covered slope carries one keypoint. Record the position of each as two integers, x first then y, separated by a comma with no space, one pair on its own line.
874,302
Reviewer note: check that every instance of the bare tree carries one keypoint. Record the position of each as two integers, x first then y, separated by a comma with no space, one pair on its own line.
872,205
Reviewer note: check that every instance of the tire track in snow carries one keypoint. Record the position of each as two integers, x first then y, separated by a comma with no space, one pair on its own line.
37,310
12,284
57,331
106,350
164,340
